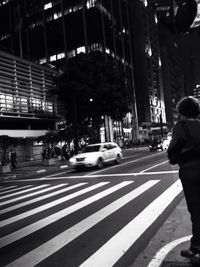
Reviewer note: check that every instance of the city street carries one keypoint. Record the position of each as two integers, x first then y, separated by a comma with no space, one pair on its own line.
90,218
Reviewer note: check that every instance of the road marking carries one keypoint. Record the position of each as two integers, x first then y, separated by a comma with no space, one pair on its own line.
103,175
125,238
29,195
24,191
52,175
50,204
7,188
41,171
15,189
6,240
126,163
48,248
13,207
154,166
162,253
116,175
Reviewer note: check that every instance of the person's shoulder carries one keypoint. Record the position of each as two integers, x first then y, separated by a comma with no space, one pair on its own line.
177,126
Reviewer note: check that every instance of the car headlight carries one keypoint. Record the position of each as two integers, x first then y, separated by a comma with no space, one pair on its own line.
72,160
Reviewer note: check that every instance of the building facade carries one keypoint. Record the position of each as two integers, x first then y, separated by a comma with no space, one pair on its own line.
28,109
67,28
147,68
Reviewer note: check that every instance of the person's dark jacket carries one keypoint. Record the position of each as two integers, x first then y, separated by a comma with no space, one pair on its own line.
180,141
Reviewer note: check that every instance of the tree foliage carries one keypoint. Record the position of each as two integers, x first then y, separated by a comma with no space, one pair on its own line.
92,87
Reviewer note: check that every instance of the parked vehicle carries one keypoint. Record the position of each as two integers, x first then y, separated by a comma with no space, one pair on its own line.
96,155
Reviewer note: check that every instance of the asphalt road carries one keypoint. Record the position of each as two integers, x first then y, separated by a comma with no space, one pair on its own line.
92,218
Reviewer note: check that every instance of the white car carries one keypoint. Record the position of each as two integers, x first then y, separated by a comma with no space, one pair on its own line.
96,155
165,144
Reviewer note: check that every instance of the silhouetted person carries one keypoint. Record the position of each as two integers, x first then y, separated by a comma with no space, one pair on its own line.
13,159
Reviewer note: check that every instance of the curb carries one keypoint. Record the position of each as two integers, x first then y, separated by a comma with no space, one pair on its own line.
11,176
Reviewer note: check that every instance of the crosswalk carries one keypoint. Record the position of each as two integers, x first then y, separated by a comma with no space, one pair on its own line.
77,224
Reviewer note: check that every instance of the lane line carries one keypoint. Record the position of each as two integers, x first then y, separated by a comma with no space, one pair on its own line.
126,163
50,247
125,238
106,175
154,166
50,204
6,240
162,253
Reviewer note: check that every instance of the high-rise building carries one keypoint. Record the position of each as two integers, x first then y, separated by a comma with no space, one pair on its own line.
178,57
51,31
147,67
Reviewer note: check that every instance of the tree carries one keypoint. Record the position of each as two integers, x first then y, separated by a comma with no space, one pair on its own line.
90,87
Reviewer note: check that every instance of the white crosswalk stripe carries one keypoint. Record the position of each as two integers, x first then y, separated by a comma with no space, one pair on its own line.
39,198
49,205
11,190
28,195
95,201
7,188
23,191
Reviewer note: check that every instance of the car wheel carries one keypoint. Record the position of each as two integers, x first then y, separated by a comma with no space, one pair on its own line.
118,159
100,163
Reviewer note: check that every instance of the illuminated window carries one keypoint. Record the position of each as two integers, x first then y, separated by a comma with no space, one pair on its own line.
145,3
81,49
159,62
107,50
6,102
156,19
53,58
57,15
23,104
36,103
61,55
42,61
90,3
71,53
148,50
47,6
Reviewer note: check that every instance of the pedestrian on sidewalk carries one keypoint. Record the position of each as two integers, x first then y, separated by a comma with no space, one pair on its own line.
184,149
13,158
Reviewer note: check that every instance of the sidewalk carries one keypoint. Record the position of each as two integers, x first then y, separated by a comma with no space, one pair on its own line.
32,168
173,236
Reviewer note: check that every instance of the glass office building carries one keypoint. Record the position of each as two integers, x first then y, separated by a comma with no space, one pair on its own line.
51,31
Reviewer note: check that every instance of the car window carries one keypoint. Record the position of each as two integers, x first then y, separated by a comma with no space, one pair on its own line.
91,149
106,147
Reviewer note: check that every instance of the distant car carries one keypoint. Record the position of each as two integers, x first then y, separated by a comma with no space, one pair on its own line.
155,145
165,144
96,155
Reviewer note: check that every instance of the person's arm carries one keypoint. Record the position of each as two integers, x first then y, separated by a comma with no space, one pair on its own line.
176,144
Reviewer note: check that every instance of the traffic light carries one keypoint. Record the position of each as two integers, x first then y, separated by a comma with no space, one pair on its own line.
184,15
